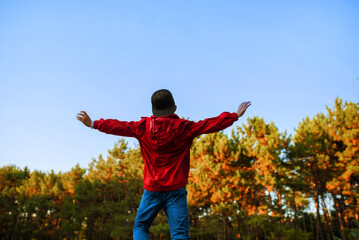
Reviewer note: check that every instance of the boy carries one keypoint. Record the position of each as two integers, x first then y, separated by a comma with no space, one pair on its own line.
165,142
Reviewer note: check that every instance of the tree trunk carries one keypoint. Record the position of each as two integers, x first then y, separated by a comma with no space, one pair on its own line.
280,207
329,224
295,212
270,201
224,229
339,211
319,223
311,222
218,230
228,229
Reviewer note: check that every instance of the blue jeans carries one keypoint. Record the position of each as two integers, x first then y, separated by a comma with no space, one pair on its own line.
175,205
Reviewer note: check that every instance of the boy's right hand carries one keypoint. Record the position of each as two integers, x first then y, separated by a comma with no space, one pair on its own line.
242,108
84,118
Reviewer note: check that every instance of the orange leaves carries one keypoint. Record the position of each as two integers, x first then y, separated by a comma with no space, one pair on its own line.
256,171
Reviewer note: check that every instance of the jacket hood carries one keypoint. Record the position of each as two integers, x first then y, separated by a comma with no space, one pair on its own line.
162,130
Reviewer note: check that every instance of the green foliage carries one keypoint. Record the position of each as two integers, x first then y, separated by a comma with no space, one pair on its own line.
255,184
355,231
271,228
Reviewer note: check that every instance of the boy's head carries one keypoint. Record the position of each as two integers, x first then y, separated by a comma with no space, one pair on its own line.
163,103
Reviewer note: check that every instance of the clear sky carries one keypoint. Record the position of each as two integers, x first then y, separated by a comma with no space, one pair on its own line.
290,58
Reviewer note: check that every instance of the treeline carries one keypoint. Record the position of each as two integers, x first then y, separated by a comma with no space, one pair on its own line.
257,183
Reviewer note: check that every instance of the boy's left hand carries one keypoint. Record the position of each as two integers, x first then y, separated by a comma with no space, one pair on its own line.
242,108
84,118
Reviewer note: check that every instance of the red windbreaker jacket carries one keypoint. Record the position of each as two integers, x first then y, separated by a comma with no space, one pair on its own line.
165,144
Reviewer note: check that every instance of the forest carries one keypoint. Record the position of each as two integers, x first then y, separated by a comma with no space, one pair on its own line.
254,183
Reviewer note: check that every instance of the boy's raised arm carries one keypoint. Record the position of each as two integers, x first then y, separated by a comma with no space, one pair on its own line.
110,126
215,124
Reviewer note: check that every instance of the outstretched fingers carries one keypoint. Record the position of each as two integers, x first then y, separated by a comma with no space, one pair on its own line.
246,104
81,115
84,118
242,108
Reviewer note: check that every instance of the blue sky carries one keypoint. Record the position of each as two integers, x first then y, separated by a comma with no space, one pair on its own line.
290,58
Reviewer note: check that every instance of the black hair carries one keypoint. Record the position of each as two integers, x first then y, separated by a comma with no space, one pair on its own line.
162,99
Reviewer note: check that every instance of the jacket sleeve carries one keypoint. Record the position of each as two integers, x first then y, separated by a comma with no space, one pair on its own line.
215,124
116,127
